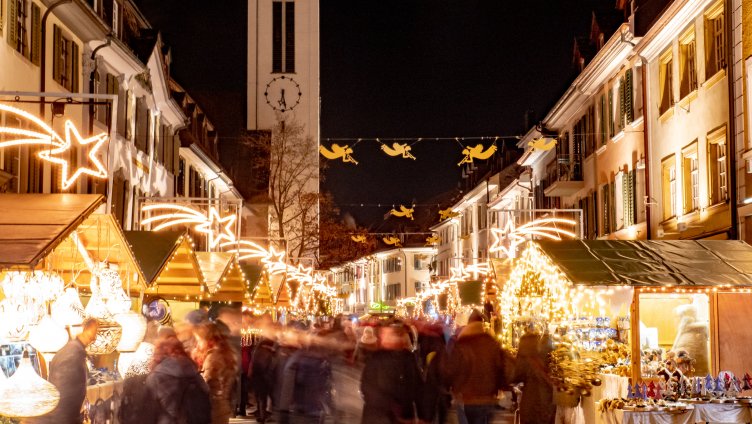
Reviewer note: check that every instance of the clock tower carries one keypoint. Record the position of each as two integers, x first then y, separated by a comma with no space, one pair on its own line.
283,64
283,95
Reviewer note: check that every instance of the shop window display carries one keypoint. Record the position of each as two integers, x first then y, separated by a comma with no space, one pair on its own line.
680,338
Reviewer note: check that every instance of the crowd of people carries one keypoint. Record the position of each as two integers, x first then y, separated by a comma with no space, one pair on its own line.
334,370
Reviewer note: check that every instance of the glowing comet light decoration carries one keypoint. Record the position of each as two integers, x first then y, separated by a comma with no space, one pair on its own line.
179,214
55,144
543,228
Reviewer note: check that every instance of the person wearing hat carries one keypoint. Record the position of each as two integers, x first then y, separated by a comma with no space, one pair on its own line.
477,370
367,344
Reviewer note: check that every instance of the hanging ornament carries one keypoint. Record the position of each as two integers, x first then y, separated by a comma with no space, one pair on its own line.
398,150
97,308
392,241
359,238
26,394
338,152
67,309
15,320
404,212
543,144
111,290
476,152
134,329
447,213
48,336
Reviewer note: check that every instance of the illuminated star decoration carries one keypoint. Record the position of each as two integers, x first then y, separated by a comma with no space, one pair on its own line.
180,214
538,228
227,229
56,145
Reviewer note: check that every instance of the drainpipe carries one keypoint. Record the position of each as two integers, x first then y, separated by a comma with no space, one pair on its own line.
734,190
646,147
43,52
91,81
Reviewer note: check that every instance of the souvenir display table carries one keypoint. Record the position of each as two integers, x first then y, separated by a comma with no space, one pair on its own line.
696,413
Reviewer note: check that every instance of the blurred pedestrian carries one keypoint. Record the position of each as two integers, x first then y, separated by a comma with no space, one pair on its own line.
391,382
68,372
537,404
262,376
216,361
477,370
306,385
179,393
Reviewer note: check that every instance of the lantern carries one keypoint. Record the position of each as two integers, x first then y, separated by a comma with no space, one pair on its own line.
48,336
134,329
67,310
108,337
26,394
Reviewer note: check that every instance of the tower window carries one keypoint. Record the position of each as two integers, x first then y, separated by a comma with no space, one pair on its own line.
283,36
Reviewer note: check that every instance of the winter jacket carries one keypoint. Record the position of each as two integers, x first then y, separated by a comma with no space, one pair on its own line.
220,376
306,383
537,404
391,387
477,367
167,382
68,372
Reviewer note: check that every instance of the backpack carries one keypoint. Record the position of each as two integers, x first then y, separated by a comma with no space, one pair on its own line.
195,403
137,405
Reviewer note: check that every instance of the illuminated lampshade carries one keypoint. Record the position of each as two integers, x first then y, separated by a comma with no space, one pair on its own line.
111,289
131,364
48,336
134,329
108,337
26,394
96,308
14,320
67,310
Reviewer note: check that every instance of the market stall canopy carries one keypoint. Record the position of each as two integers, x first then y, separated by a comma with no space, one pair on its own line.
225,278
31,225
653,262
169,264
103,241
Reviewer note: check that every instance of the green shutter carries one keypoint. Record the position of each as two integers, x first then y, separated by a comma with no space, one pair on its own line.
12,18
604,132
622,104
632,197
629,93
56,64
610,112
625,199
36,34
75,74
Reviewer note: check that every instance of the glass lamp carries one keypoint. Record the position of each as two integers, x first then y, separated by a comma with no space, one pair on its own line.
134,329
108,337
67,310
48,336
26,394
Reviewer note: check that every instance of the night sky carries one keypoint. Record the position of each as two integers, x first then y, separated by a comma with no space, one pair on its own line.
394,68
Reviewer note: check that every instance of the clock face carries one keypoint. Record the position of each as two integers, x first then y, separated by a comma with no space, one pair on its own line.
282,93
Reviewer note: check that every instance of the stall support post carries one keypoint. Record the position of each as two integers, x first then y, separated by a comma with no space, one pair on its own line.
635,336
715,349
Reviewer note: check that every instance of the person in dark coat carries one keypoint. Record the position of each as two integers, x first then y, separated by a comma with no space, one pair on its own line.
68,372
477,370
306,385
391,383
537,404
262,376
172,369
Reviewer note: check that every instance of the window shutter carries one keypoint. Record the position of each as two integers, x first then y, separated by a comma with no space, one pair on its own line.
276,36
12,18
632,198
57,38
628,92
36,33
625,200
622,103
175,152
75,59
604,209
290,37
610,112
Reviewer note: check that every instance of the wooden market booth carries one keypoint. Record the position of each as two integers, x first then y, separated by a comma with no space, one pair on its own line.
226,279
668,277
171,268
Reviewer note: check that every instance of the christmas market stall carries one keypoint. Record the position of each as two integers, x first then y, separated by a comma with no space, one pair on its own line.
174,280
53,248
638,325
226,279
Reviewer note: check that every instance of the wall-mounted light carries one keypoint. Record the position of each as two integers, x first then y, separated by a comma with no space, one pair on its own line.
58,109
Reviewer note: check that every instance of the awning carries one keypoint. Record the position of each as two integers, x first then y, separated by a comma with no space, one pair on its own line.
31,225
104,241
169,264
653,262
225,278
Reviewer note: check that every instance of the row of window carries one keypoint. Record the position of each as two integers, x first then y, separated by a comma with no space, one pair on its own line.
716,168
715,58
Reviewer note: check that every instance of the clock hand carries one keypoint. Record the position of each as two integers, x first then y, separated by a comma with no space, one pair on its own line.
281,102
